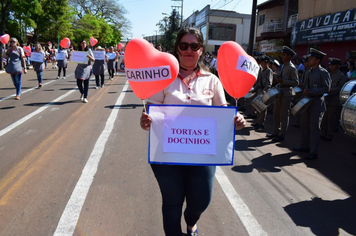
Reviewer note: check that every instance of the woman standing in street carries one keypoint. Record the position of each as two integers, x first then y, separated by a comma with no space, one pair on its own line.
62,63
99,69
112,56
183,182
39,66
16,64
82,72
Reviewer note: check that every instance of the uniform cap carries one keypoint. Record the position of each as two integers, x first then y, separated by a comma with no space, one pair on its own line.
276,62
316,53
289,51
334,61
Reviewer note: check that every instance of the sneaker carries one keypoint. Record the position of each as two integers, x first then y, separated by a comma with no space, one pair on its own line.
97,87
57,77
102,86
39,85
85,100
82,97
111,78
64,77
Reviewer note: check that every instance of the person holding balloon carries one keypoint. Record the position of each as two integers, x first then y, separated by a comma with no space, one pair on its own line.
180,182
16,64
62,63
39,66
83,71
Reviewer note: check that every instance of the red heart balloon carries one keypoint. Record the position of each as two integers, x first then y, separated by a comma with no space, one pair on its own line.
93,41
65,43
147,69
4,38
120,46
27,50
237,70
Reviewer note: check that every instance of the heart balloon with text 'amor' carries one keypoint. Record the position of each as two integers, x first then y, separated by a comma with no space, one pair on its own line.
148,70
237,70
93,41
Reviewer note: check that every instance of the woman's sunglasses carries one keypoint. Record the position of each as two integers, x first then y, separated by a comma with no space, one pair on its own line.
184,46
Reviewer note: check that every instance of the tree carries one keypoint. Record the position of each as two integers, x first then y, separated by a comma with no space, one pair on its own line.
169,30
110,10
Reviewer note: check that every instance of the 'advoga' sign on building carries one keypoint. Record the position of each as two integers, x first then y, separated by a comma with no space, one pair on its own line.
336,27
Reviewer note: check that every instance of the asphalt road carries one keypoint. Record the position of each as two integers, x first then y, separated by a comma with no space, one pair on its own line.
69,168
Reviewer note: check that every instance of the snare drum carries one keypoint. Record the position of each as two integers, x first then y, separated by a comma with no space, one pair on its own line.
301,106
348,116
272,95
258,104
347,90
298,92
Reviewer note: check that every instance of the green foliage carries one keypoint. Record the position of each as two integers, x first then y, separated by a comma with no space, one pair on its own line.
169,26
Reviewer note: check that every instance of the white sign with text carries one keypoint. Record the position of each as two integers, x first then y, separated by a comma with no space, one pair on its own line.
191,135
37,56
80,57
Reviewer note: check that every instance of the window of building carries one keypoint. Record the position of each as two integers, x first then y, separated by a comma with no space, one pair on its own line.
261,20
222,32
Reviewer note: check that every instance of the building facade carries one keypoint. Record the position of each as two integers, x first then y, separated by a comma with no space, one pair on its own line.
219,26
327,25
274,23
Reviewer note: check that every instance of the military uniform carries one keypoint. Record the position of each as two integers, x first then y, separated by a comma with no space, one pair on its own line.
316,85
282,106
331,116
264,82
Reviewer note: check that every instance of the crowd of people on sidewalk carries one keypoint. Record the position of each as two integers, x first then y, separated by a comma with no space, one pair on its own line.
17,61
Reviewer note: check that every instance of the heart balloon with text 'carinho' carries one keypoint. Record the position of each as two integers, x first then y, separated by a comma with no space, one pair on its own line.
237,70
148,70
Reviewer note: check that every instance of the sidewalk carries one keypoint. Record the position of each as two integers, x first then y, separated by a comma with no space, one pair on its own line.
335,161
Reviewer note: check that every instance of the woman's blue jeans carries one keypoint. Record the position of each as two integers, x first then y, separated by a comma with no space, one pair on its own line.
39,76
193,183
16,79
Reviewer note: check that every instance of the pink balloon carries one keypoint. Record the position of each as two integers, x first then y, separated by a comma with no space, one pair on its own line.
5,38
93,41
148,70
237,70
65,43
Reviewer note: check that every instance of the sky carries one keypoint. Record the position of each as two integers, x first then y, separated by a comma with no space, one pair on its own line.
145,14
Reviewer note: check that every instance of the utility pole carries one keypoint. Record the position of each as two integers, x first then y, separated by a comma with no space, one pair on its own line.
252,28
181,14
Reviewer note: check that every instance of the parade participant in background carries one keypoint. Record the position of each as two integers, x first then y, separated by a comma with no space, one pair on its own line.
301,85
251,110
54,52
99,69
82,72
351,73
39,66
16,64
112,56
330,122
264,82
287,80
62,63
159,47
180,182
316,85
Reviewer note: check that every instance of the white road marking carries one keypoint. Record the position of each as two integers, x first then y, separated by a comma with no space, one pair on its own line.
248,220
29,116
70,215
28,90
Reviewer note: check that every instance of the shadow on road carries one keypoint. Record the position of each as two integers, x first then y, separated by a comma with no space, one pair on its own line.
325,217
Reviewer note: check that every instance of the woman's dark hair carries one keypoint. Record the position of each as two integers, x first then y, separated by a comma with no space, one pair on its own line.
199,36
80,46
